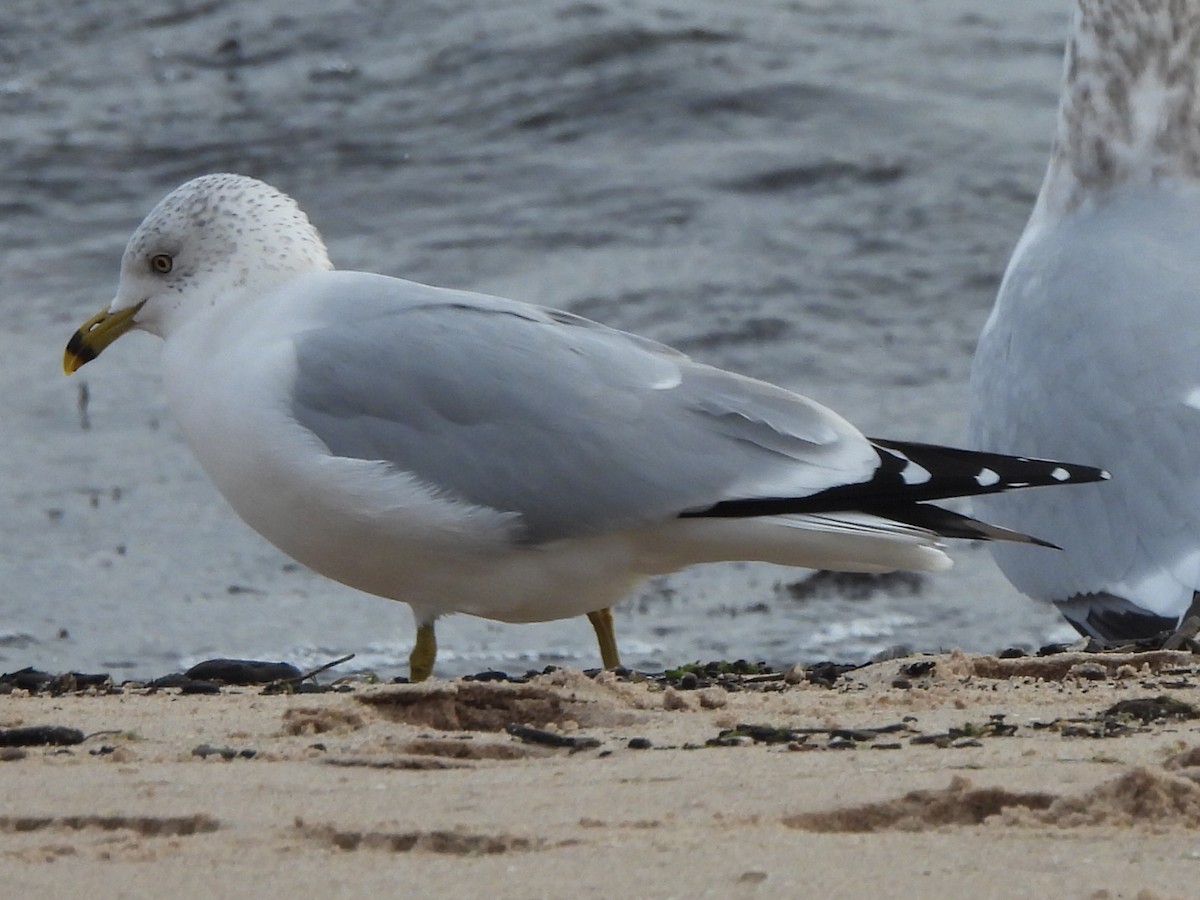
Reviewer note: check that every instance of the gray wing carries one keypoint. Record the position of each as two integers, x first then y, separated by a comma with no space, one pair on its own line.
577,427
1093,355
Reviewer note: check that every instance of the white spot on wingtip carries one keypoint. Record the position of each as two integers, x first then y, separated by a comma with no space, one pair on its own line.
1060,474
914,474
987,477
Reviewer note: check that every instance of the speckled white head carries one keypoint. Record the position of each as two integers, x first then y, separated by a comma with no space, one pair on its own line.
212,237
1130,112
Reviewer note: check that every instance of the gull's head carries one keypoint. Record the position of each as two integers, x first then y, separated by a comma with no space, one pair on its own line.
207,242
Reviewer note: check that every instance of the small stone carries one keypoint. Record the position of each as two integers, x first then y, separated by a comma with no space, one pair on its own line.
199,687
673,700
1089,671
794,674
639,743
40,736
242,671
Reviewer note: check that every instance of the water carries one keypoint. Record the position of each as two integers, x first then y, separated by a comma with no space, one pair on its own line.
821,194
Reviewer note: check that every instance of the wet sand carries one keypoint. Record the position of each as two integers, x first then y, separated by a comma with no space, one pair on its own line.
932,776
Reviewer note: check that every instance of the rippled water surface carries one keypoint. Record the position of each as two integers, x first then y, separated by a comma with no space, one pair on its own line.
822,194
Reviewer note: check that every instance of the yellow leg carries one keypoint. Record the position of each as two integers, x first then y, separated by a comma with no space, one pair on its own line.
424,652
602,623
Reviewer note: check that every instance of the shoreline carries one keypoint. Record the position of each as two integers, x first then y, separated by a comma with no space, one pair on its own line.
1028,777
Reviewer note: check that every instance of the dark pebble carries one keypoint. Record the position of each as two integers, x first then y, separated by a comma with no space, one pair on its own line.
206,750
242,671
40,736
918,669
1150,709
199,687
1011,653
1053,649
640,743
27,679
761,734
308,687
854,734
826,674
12,754
902,683
174,680
549,738
92,679
938,740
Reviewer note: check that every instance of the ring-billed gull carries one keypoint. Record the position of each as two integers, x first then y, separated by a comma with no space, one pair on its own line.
465,453
1093,347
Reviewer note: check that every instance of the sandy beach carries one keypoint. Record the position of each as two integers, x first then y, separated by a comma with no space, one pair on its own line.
930,776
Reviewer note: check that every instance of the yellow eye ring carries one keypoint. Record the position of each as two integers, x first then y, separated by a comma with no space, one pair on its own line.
161,263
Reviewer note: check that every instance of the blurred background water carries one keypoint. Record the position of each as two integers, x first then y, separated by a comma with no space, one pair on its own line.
820,194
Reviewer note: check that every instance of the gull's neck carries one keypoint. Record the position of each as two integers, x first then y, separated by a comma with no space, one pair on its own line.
1129,111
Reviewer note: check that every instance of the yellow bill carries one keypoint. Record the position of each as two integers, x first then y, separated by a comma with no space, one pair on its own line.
95,334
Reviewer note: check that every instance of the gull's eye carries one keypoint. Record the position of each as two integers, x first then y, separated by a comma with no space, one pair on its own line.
161,263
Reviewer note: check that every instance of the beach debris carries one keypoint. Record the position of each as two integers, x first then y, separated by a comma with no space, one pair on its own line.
968,734
36,681
918,669
396,762
1088,671
496,675
1059,666
551,738
206,750
146,826
242,671
472,705
839,738
454,843
1151,709
194,686
40,736
1123,718
961,803
305,682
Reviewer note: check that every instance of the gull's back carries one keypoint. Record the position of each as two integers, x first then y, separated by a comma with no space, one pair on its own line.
1092,352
